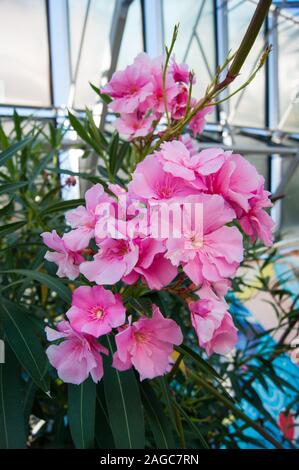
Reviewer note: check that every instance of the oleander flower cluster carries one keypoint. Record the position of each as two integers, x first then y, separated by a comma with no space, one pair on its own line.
181,218
140,99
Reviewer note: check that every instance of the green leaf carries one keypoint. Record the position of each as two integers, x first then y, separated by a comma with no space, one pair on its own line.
192,425
95,88
94,131
3,138
9,228
104,97
77,126
87,176
13,149
42,165
81,413
52,282
12,187
28,399
121,155
24,343
141,305
62,206
124,406
6,209
158,421
166,397
12,425
113,150
103,433
17,124
204,367
82,132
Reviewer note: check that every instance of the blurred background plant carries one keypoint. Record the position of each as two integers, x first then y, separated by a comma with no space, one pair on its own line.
217,402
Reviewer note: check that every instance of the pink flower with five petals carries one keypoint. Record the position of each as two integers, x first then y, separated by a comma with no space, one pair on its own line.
77,355
96,310
115,259
67,260
147,344
213,325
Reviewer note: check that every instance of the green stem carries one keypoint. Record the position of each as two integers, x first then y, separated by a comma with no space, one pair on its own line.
168,55
250,37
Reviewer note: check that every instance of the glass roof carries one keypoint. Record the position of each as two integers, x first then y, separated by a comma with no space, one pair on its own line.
26,46
24,53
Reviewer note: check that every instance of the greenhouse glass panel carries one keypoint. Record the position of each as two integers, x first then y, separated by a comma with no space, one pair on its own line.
95,51
291,197
24,80
132,42
288,79
247,108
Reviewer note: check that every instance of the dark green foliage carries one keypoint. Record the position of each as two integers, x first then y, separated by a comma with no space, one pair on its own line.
194,406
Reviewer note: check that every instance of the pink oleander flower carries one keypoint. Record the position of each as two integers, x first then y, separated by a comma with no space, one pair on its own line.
180,72
84,219
187,140
198,122
96,310
115,259
77,355
154,68
152,266
208,250
150,181
214,290
180,162
237,181
70,181
179,102
68,261
147,344
213,325
128,88
157,98
136,124
257,223
287,424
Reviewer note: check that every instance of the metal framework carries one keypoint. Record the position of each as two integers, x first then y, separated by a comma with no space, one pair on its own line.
64,76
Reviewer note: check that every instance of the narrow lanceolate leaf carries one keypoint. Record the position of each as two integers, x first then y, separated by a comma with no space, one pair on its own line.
12,187
159,423
8,208
113,150
9,228
204,365
83,133
193,426
12,424
62,206
24,343
124,406
42,165
13,149
121,155
103,433
52,282
81,413
103,96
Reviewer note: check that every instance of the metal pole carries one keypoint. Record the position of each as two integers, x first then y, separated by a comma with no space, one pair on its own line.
273,111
